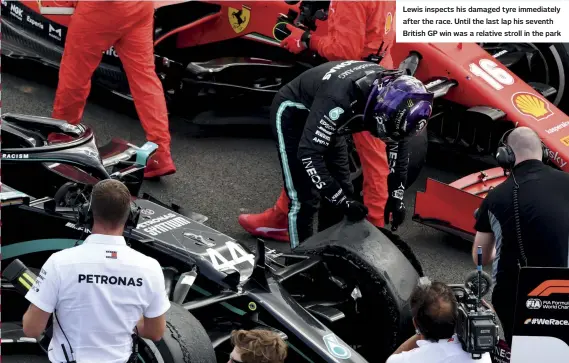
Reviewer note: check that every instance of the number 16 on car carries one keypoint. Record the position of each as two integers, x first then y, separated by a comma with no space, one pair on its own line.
492,74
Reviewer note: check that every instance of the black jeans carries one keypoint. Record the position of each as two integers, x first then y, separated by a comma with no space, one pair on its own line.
504,302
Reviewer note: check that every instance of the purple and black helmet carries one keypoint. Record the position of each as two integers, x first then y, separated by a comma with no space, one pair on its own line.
398,107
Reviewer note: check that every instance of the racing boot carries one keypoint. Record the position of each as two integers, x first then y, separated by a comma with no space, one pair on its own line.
271,224
160,164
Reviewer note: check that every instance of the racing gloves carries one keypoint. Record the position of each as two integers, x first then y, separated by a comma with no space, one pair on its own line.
297,41
395,208
353,210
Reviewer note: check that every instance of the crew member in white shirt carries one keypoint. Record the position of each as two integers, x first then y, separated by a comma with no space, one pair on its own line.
435,312
100,290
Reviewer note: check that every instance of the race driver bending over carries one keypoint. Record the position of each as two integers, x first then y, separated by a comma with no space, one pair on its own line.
356,29
128,25
311,114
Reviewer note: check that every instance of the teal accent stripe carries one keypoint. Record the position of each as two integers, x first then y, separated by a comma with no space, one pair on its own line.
144,151
38,245
295,204
12,195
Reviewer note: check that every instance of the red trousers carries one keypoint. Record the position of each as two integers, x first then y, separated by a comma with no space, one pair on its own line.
95,27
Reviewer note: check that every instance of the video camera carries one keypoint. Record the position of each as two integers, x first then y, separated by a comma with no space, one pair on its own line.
476,327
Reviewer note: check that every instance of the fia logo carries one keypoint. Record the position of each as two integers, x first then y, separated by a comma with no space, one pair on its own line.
533,304
336,348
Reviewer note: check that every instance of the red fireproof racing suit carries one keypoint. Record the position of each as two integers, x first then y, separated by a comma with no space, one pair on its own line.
95,27
356,29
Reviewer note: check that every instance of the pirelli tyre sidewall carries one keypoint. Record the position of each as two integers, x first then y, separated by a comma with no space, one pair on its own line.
359,253
185,340
417,157
556,58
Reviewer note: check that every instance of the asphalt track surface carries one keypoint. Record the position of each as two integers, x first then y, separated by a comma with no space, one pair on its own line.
225,171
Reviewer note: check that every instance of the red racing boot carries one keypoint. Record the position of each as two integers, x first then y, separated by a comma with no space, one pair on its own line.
271,224
160,164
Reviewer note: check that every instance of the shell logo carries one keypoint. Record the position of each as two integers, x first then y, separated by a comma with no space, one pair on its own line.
388,22
531,105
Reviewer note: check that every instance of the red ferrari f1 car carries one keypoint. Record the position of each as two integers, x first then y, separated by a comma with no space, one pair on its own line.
230,49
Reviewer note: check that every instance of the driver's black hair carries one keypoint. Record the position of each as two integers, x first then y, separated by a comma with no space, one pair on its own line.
435,310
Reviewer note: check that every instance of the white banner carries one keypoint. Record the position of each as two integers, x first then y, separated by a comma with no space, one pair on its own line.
504,21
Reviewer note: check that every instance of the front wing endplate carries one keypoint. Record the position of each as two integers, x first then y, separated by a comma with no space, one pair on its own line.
447,208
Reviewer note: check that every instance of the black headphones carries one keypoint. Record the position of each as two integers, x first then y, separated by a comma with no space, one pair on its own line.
505,155
86,214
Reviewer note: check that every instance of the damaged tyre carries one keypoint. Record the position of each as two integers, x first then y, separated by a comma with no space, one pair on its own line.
185,340
365,279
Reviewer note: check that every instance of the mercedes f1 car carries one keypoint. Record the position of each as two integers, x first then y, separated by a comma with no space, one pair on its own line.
342,295
230,50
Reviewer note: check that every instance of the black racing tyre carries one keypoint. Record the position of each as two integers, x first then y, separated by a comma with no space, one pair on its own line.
550,65
185,340
417,157
405,250
359,255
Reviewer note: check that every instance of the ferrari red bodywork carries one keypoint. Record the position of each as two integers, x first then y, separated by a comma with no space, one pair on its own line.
484,86
258,21
482,81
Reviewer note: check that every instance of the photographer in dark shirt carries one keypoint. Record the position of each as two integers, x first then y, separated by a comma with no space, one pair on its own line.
541,237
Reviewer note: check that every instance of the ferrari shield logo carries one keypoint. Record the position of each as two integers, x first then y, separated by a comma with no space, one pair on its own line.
239,19
336,348
531,105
